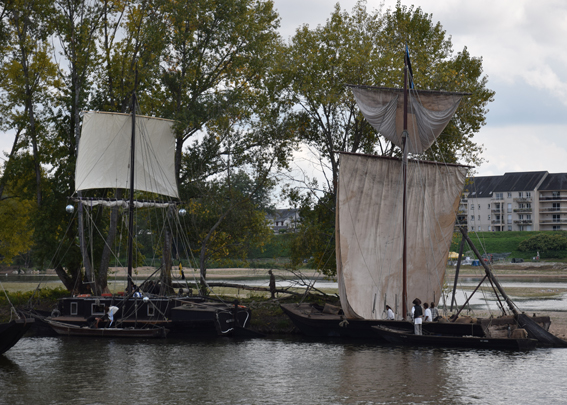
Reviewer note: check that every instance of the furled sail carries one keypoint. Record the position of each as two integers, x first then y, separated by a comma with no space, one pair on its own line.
369,232
104,154
428,113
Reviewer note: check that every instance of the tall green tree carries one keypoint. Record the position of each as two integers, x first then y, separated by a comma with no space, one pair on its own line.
29,74
363,48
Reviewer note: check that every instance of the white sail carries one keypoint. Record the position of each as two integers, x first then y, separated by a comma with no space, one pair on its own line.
104,154
369,231
428,113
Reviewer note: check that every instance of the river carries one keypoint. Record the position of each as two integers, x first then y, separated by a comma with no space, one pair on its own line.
272,371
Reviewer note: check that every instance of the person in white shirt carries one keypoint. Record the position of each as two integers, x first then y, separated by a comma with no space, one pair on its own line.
427,315
390,314
417,313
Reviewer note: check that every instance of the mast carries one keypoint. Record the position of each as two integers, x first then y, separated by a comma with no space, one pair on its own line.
404,207
131,204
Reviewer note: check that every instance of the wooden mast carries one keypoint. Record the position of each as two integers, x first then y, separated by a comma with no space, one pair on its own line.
131,204
404,208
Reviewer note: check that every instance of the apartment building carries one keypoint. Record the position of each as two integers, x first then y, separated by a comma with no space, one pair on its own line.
522,201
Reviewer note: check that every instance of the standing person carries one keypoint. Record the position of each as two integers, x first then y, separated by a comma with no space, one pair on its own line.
434,312
389,313
427,314
272,284
417,313
111,312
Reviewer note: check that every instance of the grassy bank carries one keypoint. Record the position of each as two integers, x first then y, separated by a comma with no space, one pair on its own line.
507,242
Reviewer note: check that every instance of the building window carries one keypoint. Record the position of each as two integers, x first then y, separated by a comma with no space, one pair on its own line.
529,216
478,206
520,194
529,205
556,217
556,227
499,196
472,207
489,219
509,227
509,207
489,228
556,194
556,206
479,229
520,217
528,194
479,217
488,206
509,219
472,217
509,195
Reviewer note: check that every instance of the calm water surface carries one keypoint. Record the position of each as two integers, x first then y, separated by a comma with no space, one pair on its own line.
272,371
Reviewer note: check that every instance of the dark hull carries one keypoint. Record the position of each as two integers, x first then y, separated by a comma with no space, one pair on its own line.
74,330
311,321
184,317
405,338
12,332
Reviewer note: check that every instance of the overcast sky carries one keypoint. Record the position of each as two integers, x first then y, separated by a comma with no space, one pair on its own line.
524,49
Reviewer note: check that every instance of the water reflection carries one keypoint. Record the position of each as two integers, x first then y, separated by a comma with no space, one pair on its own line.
272,371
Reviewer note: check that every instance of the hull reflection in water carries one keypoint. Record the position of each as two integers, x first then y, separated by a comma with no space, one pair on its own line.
272,371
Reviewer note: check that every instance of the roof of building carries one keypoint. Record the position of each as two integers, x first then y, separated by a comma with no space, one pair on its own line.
554,181
283,214
482,186
520,181
486,186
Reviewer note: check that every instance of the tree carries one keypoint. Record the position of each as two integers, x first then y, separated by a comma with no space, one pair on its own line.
29,73
367,49
544,243
16,231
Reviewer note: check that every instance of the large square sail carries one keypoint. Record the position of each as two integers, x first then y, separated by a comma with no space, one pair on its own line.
104,154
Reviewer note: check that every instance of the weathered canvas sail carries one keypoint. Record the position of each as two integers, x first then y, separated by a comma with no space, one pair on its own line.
104,154
428,113
369,231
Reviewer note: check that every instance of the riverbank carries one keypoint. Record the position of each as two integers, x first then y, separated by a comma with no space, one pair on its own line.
268,318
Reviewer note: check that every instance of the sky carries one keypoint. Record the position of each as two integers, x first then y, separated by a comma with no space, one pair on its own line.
523,45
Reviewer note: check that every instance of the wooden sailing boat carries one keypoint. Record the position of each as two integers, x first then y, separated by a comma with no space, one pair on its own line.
395,218
387,207
136,153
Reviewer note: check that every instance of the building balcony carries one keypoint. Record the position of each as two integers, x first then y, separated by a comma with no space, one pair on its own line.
522,210
496,221
496,210
497,198
464,200
553,198
523,199
523,221
553,209
553,221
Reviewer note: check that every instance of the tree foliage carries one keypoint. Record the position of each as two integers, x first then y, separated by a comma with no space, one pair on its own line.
242,101
544,243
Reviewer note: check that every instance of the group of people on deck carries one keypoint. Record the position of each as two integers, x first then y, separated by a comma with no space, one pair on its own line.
418,314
